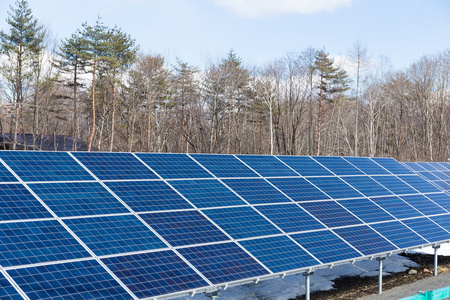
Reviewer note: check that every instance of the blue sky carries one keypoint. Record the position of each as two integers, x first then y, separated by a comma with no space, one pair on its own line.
259,31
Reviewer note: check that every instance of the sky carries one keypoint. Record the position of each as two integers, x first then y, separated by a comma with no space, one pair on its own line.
259,31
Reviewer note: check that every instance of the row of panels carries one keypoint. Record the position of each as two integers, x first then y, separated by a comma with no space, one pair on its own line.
60,166
435,172
163,271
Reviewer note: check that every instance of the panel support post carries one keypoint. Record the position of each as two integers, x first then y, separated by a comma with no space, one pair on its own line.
212,295
380,274
307,285
435,271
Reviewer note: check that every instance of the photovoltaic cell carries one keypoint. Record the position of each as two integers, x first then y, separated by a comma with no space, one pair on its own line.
426,166
289,217
392,166
305,165
25,243
366,186
423,204
78,198
114,234
44,166
326,246
439,175
279,253
396,207
335,187
420,184
184,228
330,213
144,196
154,274
6,176
16,203
443,221
170,166
366,210
72,280
298,189
256,191
7,291
438,166
399,234
366,165
224,165
114,166
206,193
441,199
241,222
267,166
395,185
338,165
223,262
413,166
428,175
365,239
428,229
443,185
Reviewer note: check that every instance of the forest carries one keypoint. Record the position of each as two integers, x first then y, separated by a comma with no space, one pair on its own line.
96,85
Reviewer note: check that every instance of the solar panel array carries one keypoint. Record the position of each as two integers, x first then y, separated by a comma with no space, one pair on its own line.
436,172
130,226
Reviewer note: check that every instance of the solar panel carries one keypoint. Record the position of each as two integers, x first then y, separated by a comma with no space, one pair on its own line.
267,166
114,166
224,165
114,234
68,199
167,225
279,253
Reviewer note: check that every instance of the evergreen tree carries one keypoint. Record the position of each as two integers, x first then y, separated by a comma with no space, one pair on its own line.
21,45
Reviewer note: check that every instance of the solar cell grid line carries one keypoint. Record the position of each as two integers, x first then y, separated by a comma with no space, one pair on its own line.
413,166
9,290
335,187
298,189
428,229
305,165
337,165
428,175
426,166
397,207
442,199
5,173
419,184
267,166
398,233
367,166
366,210
443,221
114,166
440,175
392,165
223,166
331,213
367,186
423,204
395,185
438,166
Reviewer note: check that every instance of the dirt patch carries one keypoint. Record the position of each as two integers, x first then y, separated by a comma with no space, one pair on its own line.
357,287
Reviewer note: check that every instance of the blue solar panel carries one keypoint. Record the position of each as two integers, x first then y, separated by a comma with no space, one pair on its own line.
206,193
445,165
419,184
399,234
7,291
290,217
413,166
174,165
223,262
338,165
114,166
366,165
279,253
224,165
365,239
6,176
298,189
335,187
442,185
423,204
241,222
184,228
396,207
25,243
366,210
438,166
16,203
44,166
443,221
114,234
428,175
154,274
428,229
267,166
441,199
73,280
392,166
426,166
148,195
395,185
326,246
366,186
256,191
78,198
304,165
439,175
331,213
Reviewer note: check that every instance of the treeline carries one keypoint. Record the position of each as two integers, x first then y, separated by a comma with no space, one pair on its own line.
97,86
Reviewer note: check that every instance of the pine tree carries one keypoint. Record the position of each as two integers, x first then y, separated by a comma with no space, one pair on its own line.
21,46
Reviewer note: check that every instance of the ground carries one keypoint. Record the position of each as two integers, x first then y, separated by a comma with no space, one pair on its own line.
356,287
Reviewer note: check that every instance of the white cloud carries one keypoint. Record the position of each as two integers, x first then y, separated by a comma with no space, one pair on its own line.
261,8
